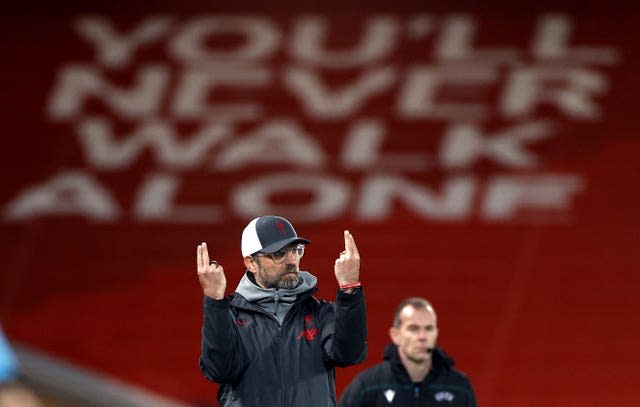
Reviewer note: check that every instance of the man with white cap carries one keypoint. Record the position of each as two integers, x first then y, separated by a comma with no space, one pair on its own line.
271,343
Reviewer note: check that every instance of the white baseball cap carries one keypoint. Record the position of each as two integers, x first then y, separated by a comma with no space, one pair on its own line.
268,234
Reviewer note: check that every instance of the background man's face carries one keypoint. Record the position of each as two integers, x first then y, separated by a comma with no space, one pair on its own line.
417,334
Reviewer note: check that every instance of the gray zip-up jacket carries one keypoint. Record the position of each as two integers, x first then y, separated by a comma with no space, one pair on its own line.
279,348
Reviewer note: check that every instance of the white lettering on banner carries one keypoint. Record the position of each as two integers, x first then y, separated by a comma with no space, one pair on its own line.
526,89
195,87
320,103
284,142
464,144
390,82
77,83
376,45
362,149
382,34
70,193
156,198
379,192
551,42
276,142
106,151
506,195
114,50
500,199
418,94
190,46
523,91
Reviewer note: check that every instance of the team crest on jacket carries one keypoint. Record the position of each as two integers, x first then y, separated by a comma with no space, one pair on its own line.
310,331
444,395
389,395
243,322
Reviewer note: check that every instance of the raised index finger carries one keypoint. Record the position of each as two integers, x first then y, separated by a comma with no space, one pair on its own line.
350,244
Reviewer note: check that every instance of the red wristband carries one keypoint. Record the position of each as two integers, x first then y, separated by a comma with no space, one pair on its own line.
351,285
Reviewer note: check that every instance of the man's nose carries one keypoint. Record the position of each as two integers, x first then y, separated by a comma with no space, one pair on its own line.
290,257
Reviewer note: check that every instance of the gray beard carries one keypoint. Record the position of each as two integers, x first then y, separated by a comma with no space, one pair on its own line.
290,282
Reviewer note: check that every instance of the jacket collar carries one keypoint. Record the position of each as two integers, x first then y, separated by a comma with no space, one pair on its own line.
249,294
440,362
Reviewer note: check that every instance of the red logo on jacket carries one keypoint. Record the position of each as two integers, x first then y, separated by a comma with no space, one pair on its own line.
243,322
310,331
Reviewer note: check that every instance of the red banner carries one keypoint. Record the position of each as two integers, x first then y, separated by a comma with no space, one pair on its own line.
483,159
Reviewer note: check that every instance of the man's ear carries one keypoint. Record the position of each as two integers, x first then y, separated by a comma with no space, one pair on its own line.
394,334
250,264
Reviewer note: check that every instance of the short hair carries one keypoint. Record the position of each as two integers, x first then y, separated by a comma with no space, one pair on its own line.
416,303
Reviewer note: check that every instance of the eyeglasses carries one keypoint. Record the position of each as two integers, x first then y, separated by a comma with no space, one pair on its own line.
279,256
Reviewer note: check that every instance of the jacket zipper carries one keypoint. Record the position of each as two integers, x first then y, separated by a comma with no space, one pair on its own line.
276,300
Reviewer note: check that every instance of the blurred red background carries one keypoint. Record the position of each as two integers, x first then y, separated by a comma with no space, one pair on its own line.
528,111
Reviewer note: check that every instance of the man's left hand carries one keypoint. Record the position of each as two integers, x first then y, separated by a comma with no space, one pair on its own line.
347,266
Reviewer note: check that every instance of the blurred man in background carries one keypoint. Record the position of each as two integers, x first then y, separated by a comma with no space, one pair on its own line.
271,343
415,371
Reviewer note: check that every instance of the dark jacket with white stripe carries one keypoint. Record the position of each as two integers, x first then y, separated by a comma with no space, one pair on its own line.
279,348
388,384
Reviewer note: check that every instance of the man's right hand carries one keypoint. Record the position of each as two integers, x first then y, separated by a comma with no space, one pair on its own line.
211,276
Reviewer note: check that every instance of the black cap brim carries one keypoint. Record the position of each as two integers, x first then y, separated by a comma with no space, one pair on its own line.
274,247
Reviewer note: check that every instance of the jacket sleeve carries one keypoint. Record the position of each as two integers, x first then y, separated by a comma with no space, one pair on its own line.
472,395
222,357
352,396
345,338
